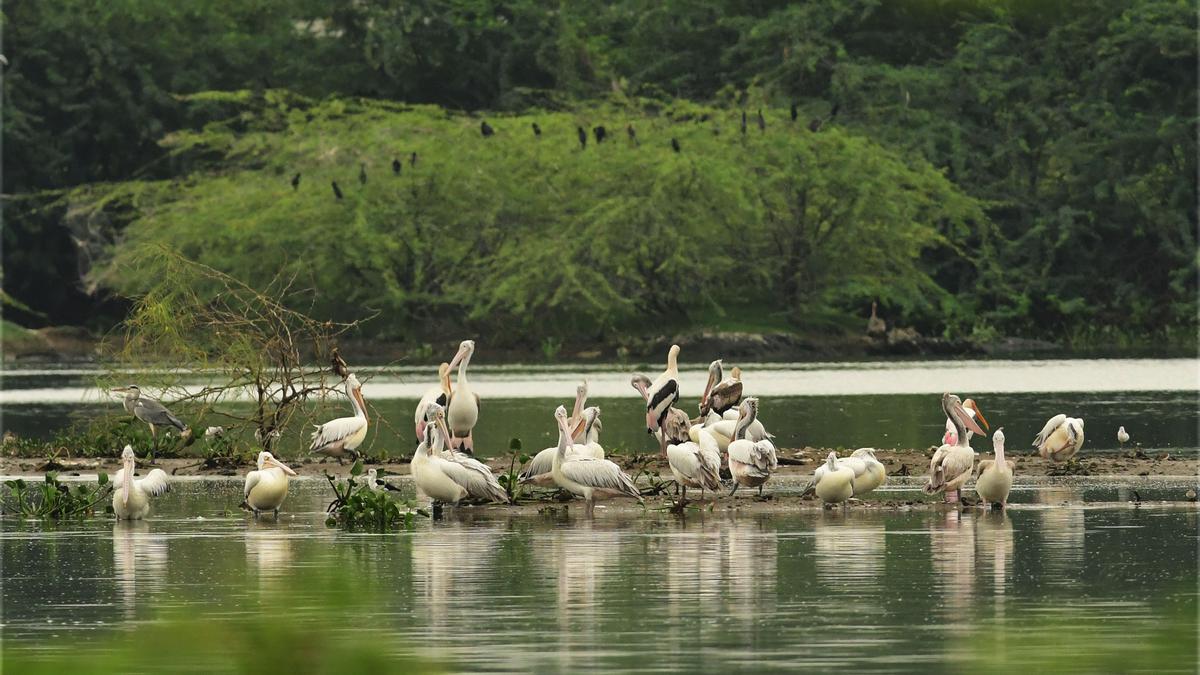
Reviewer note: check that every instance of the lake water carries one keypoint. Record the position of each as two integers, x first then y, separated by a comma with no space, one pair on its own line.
885,405
1057,583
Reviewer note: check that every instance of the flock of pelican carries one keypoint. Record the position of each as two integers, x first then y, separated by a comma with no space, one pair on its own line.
726,444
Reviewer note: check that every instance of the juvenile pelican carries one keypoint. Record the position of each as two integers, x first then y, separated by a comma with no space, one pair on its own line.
430,470
1061,438
439,394
148,410
587,436
462,408
342,436
834,480
131,496
267,487
721,395
1122,436
662,394
587,477
691,465
995,475
952,464
750,462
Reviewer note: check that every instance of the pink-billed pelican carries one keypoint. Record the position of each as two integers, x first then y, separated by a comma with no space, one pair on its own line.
341,437
586,443
131,496
587,477
267,487
721,395
951,465
834,480
972,408
691,465
149,410
662,394
462,409
439,394
995,475
1061,438
430,469
750,462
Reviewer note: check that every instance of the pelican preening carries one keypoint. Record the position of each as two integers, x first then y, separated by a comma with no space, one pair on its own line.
131,496
588,477
951,465
462,406
341,437
995,475
267,487
439,395
721,395
585,436
835,483
1061,438
449,476
868,473
750,462
149,410
692,464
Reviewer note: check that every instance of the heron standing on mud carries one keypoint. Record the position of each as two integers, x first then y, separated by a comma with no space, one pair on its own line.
150,411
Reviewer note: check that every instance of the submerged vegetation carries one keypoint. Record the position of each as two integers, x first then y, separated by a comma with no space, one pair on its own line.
53,499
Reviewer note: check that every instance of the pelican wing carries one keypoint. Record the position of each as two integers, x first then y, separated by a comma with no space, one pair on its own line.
1054,423
474,476
153,412
155,483
955,464
984,465
252,479
687,459
710,450
600,474
335,430
725,395
541,463
760,455
662,395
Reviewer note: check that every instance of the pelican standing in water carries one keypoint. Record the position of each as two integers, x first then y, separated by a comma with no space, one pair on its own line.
1061,438
430,470
131,496
341,437
995,475
587,477
439,394
149,410
661,395
462,407
691,465
721,395
952,465
750,462
267,487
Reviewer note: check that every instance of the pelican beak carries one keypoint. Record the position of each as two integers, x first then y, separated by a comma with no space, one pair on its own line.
278,464
462,352
712,382
979,414
580,425
441,424
966,419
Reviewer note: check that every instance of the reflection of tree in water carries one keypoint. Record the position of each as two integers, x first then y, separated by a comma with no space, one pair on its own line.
1062,532
139,563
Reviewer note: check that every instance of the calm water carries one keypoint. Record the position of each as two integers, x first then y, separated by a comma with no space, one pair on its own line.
1075,586
886,405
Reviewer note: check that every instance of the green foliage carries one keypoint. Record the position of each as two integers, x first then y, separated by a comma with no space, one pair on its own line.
510,480
54,500
356,506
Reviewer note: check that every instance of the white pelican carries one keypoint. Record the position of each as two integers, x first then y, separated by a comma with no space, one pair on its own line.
587,477
750,462
266,488
473,475
1060,439
439,394
1122,436
581,394
721,395
342,436
834,480
995,475
662,394
691,465
462,408
951,465
430,469
869,472
585,427
131,496
148,410
722,426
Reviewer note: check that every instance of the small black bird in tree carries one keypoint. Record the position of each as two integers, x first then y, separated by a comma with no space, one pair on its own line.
762,123
795,111
537,131
582,137
412,160
362,174
486,129
397,165
632,134
601,134
296,182
337,191
675,145
743,122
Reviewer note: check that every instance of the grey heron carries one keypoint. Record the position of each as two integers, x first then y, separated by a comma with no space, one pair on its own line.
149,410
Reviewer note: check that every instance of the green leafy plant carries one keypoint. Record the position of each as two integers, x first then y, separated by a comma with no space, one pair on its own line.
53,499
510,479
356,506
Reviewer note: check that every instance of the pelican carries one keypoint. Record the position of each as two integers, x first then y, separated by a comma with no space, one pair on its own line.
1061,438
342,436
148,410
1122,436
834,480
267,487
131,496
439,394
692,465
462,406
750,462
661,395
430,470
539,469
721,395
995,475
588,477
872,473
973,410
473,475
722,428
952,464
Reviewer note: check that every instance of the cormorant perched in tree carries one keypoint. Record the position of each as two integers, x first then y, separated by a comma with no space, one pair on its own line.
762,123
743,122
537,131
795,111
412,159
396,166
486,129
815,124
632,134
362,174
582,137
675,145
296,182
337,191
601,134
